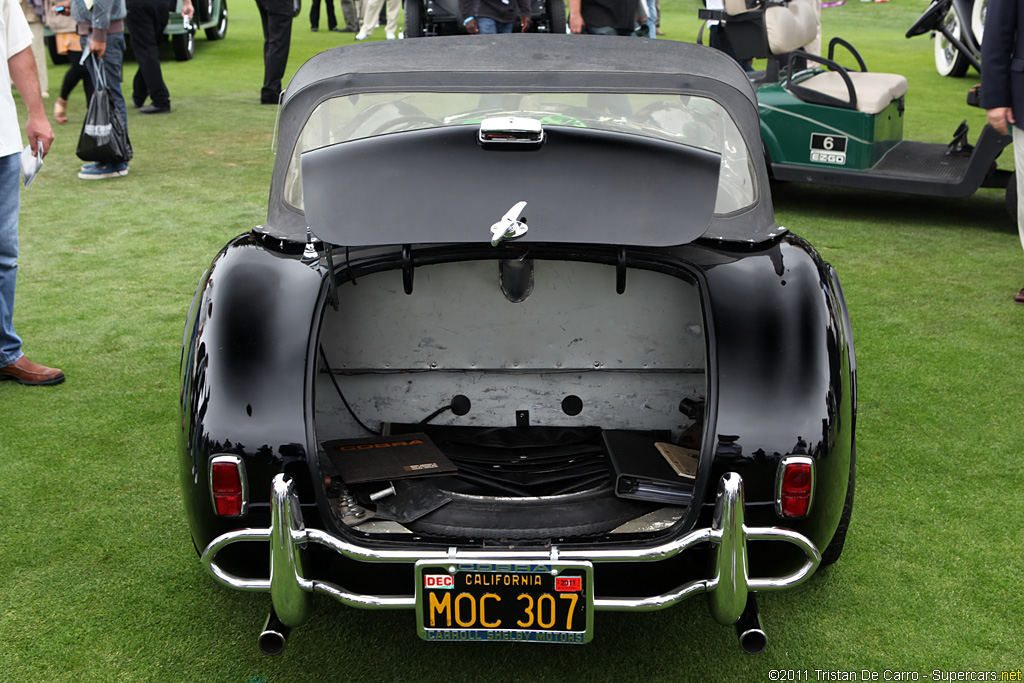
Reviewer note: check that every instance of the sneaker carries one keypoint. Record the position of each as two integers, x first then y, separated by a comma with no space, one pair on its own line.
390,36
97,171
362,35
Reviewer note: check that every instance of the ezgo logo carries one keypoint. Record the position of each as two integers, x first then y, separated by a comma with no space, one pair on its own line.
438,581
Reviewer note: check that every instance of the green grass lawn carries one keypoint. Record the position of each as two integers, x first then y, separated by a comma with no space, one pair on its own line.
98,577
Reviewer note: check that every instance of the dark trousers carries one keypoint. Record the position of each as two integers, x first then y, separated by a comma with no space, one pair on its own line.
314,14
76,72
146,22
348,9
276,18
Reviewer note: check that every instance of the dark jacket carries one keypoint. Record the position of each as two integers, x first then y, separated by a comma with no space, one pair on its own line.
494,9
617,14
1002,58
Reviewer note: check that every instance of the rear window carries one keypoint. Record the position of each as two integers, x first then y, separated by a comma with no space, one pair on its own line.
684,119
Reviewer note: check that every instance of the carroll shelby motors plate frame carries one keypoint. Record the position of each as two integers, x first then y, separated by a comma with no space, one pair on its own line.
543,602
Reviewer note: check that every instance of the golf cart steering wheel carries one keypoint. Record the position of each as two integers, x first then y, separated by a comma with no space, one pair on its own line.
931,19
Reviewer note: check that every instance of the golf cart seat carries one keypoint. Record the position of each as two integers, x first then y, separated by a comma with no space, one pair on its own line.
788,26
777,31
865,91
759,29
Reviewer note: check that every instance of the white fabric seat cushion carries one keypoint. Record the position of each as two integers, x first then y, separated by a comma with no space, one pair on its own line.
732,7
791,26
874,90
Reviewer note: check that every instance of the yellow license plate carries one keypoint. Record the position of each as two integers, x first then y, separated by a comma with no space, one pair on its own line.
500,601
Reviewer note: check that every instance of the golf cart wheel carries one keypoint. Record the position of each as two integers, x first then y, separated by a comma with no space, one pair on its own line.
414,19
204,9
184,45
948,60
1011,197
220,30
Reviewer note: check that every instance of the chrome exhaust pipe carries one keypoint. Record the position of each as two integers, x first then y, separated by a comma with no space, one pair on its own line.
753,640
274,635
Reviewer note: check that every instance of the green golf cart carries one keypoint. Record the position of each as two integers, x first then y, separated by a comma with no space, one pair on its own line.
827,124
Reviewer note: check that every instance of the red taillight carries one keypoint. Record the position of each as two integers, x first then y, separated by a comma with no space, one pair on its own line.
794,487
227,486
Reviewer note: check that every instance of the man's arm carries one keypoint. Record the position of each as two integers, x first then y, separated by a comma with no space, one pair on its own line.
524,15
996,53
468,9
100,11
25,77
575,18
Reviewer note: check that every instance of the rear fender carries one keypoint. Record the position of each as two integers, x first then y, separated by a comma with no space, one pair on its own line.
243,376
786,377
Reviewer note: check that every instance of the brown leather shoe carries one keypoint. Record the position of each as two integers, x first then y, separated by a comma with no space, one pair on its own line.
25,371
1018,298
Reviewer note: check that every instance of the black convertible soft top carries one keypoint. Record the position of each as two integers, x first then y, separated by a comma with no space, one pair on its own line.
528,59
527,63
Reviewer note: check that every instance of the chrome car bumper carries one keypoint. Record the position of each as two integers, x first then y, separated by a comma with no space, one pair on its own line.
728,588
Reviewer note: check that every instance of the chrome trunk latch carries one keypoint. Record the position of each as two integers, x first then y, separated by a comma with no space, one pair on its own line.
511,226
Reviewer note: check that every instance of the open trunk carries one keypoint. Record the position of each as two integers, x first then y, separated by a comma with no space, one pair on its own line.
536,378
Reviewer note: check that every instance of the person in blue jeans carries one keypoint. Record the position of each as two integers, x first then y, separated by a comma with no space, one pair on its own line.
17,67
101,25
494,16
649,21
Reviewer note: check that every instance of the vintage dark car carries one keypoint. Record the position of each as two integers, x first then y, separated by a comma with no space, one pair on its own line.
520,340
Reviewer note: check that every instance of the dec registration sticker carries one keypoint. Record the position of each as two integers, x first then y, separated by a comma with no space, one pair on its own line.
540,602
828,149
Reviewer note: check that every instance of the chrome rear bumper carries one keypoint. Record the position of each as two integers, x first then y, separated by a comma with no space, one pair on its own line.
292,593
